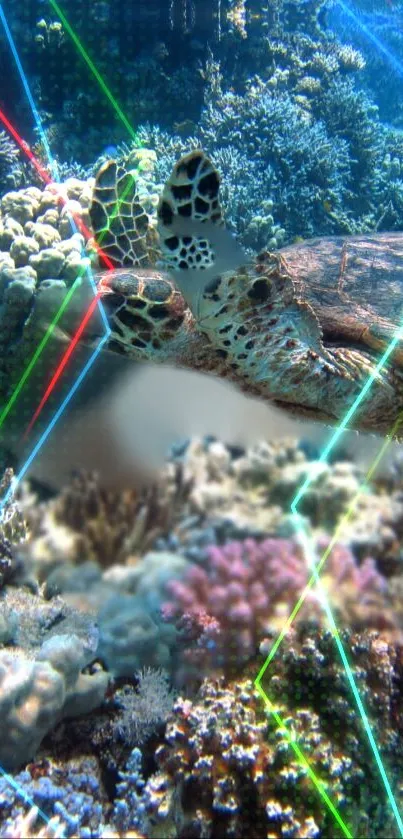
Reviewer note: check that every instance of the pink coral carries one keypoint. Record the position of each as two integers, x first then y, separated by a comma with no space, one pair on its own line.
247,589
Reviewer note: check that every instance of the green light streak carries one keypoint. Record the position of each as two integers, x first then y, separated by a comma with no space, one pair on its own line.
59,313
38,351
84,54
315,579
303,761
315,576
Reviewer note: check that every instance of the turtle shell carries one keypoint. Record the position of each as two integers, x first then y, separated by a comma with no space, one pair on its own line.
355,287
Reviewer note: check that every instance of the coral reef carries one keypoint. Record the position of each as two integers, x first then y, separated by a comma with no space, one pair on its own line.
220,551
246,589
226,767
305,170
111,602
224,563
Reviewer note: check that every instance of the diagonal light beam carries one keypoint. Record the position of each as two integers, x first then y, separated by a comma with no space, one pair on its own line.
84,54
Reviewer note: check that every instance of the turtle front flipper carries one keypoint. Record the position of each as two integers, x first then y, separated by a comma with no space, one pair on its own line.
194,243
120,224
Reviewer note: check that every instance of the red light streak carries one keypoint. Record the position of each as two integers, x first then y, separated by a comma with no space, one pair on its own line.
87,233
61,366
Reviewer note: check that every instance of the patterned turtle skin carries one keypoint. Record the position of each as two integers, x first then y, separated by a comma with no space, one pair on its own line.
303,328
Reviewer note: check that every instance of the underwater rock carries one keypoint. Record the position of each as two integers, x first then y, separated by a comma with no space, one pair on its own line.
9,230
48,262
36,694
22,248
130,638
44,234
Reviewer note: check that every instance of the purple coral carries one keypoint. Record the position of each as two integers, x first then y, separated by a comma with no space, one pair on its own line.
247,589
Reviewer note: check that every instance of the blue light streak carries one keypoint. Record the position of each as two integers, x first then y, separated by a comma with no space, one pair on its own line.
390,56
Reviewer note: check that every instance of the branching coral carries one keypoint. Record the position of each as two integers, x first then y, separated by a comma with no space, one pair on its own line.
143,710
86,522
70,794
247,589
226,769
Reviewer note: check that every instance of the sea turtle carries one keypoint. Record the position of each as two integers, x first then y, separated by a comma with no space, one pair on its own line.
302,328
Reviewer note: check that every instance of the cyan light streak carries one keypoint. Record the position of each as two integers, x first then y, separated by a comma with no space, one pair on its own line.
28,93
309,552
308,549
314,564
357,402
390,56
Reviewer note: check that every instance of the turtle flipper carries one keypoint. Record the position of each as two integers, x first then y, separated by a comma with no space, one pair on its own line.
194,243
118,220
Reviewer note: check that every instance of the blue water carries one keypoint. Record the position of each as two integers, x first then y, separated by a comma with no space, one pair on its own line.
299,106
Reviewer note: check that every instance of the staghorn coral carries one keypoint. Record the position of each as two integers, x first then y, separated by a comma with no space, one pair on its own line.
129,806
227,769
246,589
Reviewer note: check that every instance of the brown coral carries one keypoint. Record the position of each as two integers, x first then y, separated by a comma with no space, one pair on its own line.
88,522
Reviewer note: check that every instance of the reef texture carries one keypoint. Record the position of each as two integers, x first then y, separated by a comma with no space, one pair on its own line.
135,623
227,768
